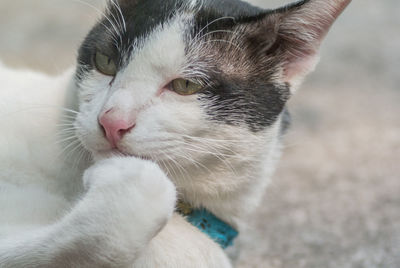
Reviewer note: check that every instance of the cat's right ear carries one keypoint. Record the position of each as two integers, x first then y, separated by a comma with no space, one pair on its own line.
294,33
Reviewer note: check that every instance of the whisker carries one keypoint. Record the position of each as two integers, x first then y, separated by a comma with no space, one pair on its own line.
225,41
64,150
117,5
65,124
181,169
70,129
212,22
117,32
66,139
72,151
118,22
191,160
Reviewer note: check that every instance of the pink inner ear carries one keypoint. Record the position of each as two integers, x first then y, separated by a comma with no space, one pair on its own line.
302,29
299,67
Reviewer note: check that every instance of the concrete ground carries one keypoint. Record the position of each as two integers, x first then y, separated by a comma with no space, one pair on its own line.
335,200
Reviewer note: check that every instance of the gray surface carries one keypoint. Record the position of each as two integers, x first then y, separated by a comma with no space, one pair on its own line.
335,200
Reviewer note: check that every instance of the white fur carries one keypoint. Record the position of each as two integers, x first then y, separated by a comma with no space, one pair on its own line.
210,163
121,213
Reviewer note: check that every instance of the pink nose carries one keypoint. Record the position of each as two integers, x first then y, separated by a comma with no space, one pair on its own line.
115,126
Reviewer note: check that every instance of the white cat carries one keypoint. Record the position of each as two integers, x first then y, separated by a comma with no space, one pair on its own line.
170,100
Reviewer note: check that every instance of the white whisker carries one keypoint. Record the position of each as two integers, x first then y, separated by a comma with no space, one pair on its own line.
210,23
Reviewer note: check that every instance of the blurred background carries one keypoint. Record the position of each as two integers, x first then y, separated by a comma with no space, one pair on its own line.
335,200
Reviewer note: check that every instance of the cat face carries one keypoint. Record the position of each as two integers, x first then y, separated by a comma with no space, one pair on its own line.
175,79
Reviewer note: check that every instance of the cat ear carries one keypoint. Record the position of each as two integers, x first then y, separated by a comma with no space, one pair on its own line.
298,31
302,28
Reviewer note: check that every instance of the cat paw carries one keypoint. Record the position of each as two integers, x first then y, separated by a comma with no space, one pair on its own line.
126,170
127,203
133,189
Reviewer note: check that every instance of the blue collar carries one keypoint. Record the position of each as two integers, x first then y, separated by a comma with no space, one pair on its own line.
218,230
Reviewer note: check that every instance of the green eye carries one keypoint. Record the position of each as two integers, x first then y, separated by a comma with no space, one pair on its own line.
105,64
185,87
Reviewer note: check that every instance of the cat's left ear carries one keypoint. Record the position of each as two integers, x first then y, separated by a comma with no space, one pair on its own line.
294,34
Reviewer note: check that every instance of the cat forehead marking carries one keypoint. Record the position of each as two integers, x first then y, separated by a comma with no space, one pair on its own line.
142,16
146,18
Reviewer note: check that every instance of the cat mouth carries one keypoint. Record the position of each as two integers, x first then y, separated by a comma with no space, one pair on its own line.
121,153
137,156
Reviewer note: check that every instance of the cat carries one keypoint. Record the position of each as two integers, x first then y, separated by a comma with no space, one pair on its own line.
170,100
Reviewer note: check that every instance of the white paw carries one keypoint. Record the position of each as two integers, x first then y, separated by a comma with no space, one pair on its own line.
134,193
121,170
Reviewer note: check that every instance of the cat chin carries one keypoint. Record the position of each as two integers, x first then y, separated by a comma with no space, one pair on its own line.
106,154
100,150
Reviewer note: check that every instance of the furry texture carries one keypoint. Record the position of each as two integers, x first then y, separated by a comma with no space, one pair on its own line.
109,226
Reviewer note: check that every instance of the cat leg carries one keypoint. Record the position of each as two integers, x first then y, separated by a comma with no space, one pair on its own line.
127,203
180,244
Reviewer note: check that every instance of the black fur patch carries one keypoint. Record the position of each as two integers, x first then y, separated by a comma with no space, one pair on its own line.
141,17
231,8
236,102
252,93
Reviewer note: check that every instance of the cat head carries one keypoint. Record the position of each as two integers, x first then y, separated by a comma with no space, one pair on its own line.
184,80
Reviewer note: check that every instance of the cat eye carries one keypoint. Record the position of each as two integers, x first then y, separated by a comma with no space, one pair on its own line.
185,87
105,64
